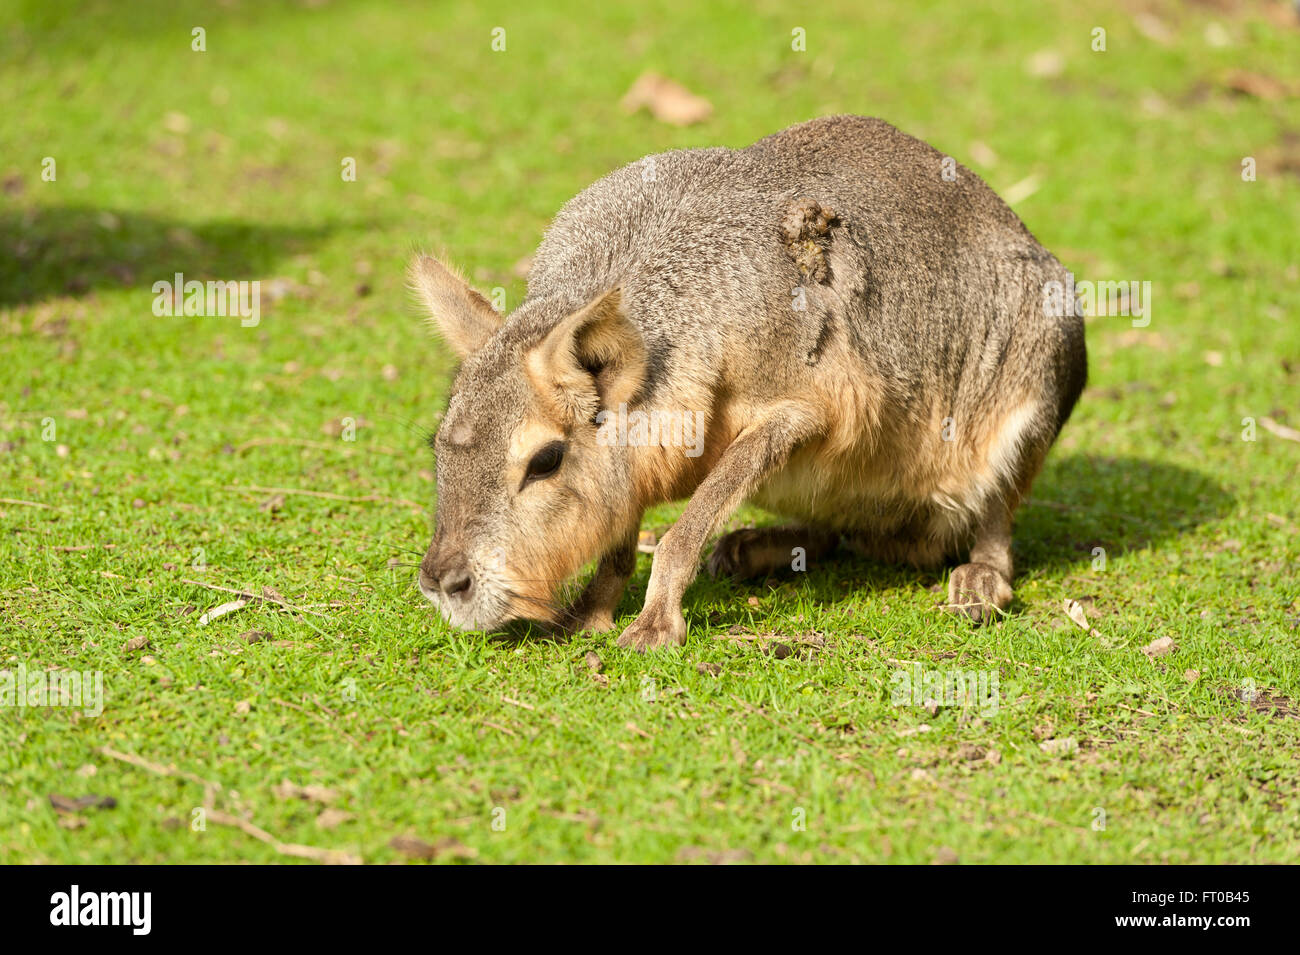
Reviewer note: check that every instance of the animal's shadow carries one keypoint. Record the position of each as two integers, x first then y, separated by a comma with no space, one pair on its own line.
1083,508
1082,502
49,251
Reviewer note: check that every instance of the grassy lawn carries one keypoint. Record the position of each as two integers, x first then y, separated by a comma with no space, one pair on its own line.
146,460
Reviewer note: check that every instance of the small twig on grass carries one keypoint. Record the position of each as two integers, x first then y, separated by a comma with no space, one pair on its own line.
316,716
14,500
210,788
315,853
813,641
325,495
317,445
1279,429
1133,709
157,768
331,856
1027,666
252,596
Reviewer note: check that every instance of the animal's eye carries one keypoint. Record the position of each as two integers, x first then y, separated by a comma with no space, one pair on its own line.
545,462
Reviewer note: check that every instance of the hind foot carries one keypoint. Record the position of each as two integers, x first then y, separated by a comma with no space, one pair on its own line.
759,551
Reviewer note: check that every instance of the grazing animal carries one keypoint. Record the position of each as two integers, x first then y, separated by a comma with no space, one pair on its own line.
838,323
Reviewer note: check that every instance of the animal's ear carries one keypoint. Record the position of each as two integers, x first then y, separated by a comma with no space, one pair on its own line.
594,358
461,315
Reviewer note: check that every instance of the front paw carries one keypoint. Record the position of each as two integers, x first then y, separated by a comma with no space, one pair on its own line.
654,628
978,591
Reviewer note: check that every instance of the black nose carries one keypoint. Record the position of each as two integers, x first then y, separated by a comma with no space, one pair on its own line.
456,583
446,572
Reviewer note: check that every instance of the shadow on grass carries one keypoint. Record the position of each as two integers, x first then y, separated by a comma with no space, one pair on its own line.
1079,503
1083,501
54,251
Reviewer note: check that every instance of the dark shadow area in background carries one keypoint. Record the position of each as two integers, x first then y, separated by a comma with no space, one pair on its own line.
1079,502
50,251
31,29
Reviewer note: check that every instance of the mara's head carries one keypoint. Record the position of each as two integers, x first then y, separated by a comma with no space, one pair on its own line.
527,490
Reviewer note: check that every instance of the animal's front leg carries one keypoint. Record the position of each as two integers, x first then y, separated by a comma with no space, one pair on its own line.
594,608
981,588
760,449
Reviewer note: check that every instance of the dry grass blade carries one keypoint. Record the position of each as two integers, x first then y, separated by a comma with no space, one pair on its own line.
329,856
222,610
1279,429
22,503
249,596
316,445
324,495
297,850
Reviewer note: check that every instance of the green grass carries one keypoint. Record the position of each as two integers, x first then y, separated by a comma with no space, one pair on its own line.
162,425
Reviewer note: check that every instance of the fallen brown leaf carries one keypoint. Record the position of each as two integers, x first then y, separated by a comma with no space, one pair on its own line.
1160,647
222,610
419,849
332,818
289,790
1065,746
1045,64
1256,84
70,804
946,855
668,101
713,856
1074,610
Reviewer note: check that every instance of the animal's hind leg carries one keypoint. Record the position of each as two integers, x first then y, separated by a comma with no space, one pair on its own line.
759,551
982,586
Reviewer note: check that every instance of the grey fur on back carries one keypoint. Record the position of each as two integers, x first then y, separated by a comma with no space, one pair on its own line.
932,277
